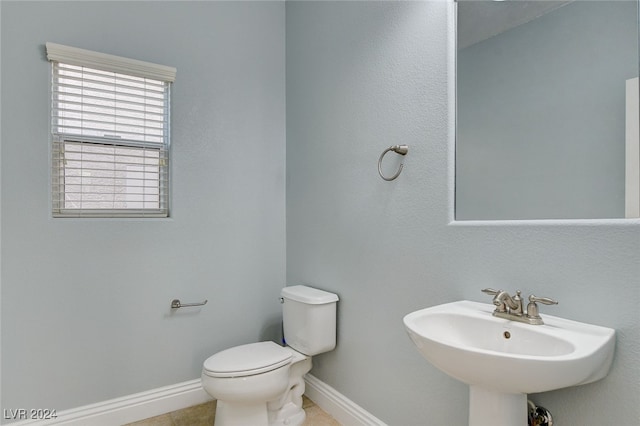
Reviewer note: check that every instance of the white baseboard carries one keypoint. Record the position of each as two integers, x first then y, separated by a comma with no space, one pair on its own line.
158,401
341,408
129,408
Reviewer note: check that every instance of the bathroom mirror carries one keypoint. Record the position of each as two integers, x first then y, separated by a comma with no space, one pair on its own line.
547,110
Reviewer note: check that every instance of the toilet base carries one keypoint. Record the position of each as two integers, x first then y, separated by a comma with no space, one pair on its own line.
289,415
241,414
288,409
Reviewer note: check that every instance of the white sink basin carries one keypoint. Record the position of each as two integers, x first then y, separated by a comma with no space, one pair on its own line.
502,357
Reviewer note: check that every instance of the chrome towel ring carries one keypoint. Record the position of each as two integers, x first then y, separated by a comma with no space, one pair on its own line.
398,149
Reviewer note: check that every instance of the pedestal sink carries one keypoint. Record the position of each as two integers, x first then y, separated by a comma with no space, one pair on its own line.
502,360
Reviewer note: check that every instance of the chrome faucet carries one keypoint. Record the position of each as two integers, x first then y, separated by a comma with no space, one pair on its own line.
510,307
506,303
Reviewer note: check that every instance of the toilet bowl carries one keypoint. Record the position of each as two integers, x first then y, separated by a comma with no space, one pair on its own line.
261,384
257,384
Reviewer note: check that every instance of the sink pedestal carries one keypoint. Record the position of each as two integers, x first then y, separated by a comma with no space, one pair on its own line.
491,408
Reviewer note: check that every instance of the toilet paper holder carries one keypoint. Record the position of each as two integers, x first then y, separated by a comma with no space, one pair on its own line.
175,304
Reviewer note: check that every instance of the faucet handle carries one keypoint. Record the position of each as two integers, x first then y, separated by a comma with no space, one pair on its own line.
532,309
490,291
543,300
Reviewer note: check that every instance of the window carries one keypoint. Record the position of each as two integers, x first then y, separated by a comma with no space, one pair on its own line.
110,135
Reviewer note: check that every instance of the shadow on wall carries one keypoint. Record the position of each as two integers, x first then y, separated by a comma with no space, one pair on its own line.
272,330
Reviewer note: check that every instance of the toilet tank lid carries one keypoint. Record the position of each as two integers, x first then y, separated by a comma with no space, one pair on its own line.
310,295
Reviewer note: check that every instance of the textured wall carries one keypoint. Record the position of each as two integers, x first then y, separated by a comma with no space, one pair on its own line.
365,75
360,76
85,303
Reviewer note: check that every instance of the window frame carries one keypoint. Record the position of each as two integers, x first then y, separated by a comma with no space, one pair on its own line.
94,146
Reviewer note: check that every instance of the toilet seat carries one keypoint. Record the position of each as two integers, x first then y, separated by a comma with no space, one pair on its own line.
247,360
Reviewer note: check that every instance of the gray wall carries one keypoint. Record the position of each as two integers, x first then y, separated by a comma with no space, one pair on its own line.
541,116
365,75
85,303
360,77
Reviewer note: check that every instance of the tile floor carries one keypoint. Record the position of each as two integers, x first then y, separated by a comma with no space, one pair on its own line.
203,414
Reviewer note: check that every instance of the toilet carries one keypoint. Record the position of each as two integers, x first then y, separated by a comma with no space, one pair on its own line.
261,384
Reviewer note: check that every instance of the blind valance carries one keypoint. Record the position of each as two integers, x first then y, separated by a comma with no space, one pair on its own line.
106,62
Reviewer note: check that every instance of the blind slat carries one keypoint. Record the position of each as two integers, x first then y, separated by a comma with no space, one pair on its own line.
139,93
92,121
91,76
73,107
112,129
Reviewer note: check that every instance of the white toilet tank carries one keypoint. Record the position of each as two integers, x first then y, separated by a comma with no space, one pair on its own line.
309,319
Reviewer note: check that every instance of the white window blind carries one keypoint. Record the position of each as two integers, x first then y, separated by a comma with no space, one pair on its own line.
110,133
